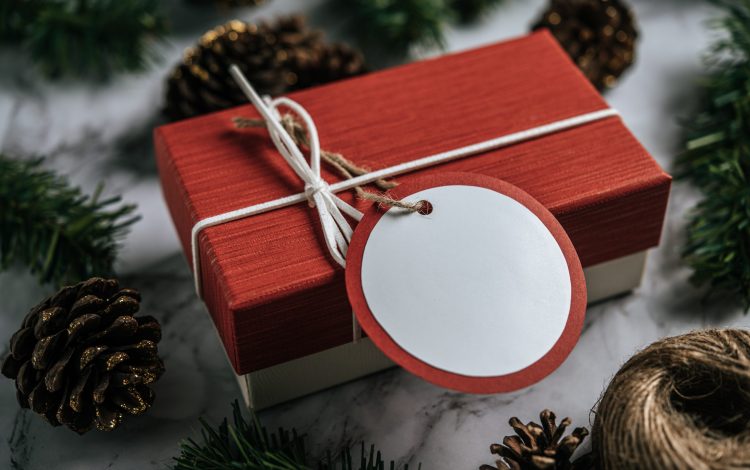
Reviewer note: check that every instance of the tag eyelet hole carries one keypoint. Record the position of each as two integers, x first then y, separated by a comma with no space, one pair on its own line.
425,207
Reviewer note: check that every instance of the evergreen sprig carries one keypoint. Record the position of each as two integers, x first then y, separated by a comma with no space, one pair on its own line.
83,38
62,235
717,160
396,25
246,444
467,11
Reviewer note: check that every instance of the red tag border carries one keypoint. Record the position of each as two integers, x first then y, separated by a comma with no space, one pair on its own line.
503,383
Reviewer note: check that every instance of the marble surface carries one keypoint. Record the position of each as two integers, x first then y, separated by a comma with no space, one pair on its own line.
102,132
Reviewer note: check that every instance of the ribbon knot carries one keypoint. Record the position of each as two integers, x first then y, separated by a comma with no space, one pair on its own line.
311,189
337,231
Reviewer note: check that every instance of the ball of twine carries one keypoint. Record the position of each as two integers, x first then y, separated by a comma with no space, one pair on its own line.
681,403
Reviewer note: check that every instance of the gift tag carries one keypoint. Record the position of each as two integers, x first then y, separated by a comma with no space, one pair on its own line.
483,294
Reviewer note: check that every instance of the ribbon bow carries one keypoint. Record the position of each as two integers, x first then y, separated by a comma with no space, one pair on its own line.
331,209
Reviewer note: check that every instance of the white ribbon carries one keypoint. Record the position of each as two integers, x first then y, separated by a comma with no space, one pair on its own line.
319,194
336,229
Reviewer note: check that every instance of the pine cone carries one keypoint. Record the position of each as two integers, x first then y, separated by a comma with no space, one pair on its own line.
538,447
81,359
276,58
599,35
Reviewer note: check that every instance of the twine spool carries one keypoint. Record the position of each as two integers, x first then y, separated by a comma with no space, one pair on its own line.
681,403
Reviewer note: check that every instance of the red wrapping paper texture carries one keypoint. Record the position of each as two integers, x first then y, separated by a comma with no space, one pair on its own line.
269,283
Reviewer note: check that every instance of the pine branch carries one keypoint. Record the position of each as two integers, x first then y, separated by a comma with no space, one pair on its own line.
14,16
467,11
399,24
83,38
247,445
62,235
396,25
717,159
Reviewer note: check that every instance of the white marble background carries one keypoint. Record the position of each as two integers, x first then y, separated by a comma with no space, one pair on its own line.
103,132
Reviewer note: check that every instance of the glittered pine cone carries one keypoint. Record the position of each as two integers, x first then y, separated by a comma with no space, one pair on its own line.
537,447
275,57
599,35
83,360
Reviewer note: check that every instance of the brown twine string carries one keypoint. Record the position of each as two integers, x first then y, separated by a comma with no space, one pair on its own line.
345,167
681,403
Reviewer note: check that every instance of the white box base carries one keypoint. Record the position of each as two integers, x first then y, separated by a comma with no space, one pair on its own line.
309,374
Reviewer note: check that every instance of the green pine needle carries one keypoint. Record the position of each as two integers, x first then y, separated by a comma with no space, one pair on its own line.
717,159
83,38
399,24
467,11
246,445
62,235
396,25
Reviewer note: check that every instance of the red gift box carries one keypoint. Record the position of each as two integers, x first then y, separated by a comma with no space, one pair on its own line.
270,284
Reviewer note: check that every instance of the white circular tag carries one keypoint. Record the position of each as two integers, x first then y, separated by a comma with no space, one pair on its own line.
480,288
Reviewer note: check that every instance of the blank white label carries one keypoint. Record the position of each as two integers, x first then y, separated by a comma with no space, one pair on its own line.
479,287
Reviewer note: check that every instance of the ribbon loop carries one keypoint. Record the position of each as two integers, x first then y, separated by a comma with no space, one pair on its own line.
336,229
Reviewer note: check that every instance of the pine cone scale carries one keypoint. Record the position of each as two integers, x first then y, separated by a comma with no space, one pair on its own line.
99,392
49,321
27,378
107,419
83,326
63,298
83,360
54,379
87,305
11,365
512,447
74,400
47,348
22,343
523,432
41,400
147,371
149,329
123,305
543,462
130,400
558,434
89,355
144,350
549,425
132,293
114,359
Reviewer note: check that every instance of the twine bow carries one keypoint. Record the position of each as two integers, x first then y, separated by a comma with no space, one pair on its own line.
337,232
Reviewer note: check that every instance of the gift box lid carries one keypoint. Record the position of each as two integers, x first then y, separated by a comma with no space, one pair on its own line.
268,281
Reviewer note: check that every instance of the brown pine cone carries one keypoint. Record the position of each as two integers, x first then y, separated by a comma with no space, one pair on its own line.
536,447
599,35
276,58
82,359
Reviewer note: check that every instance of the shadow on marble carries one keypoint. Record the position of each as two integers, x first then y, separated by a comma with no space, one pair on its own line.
134,150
